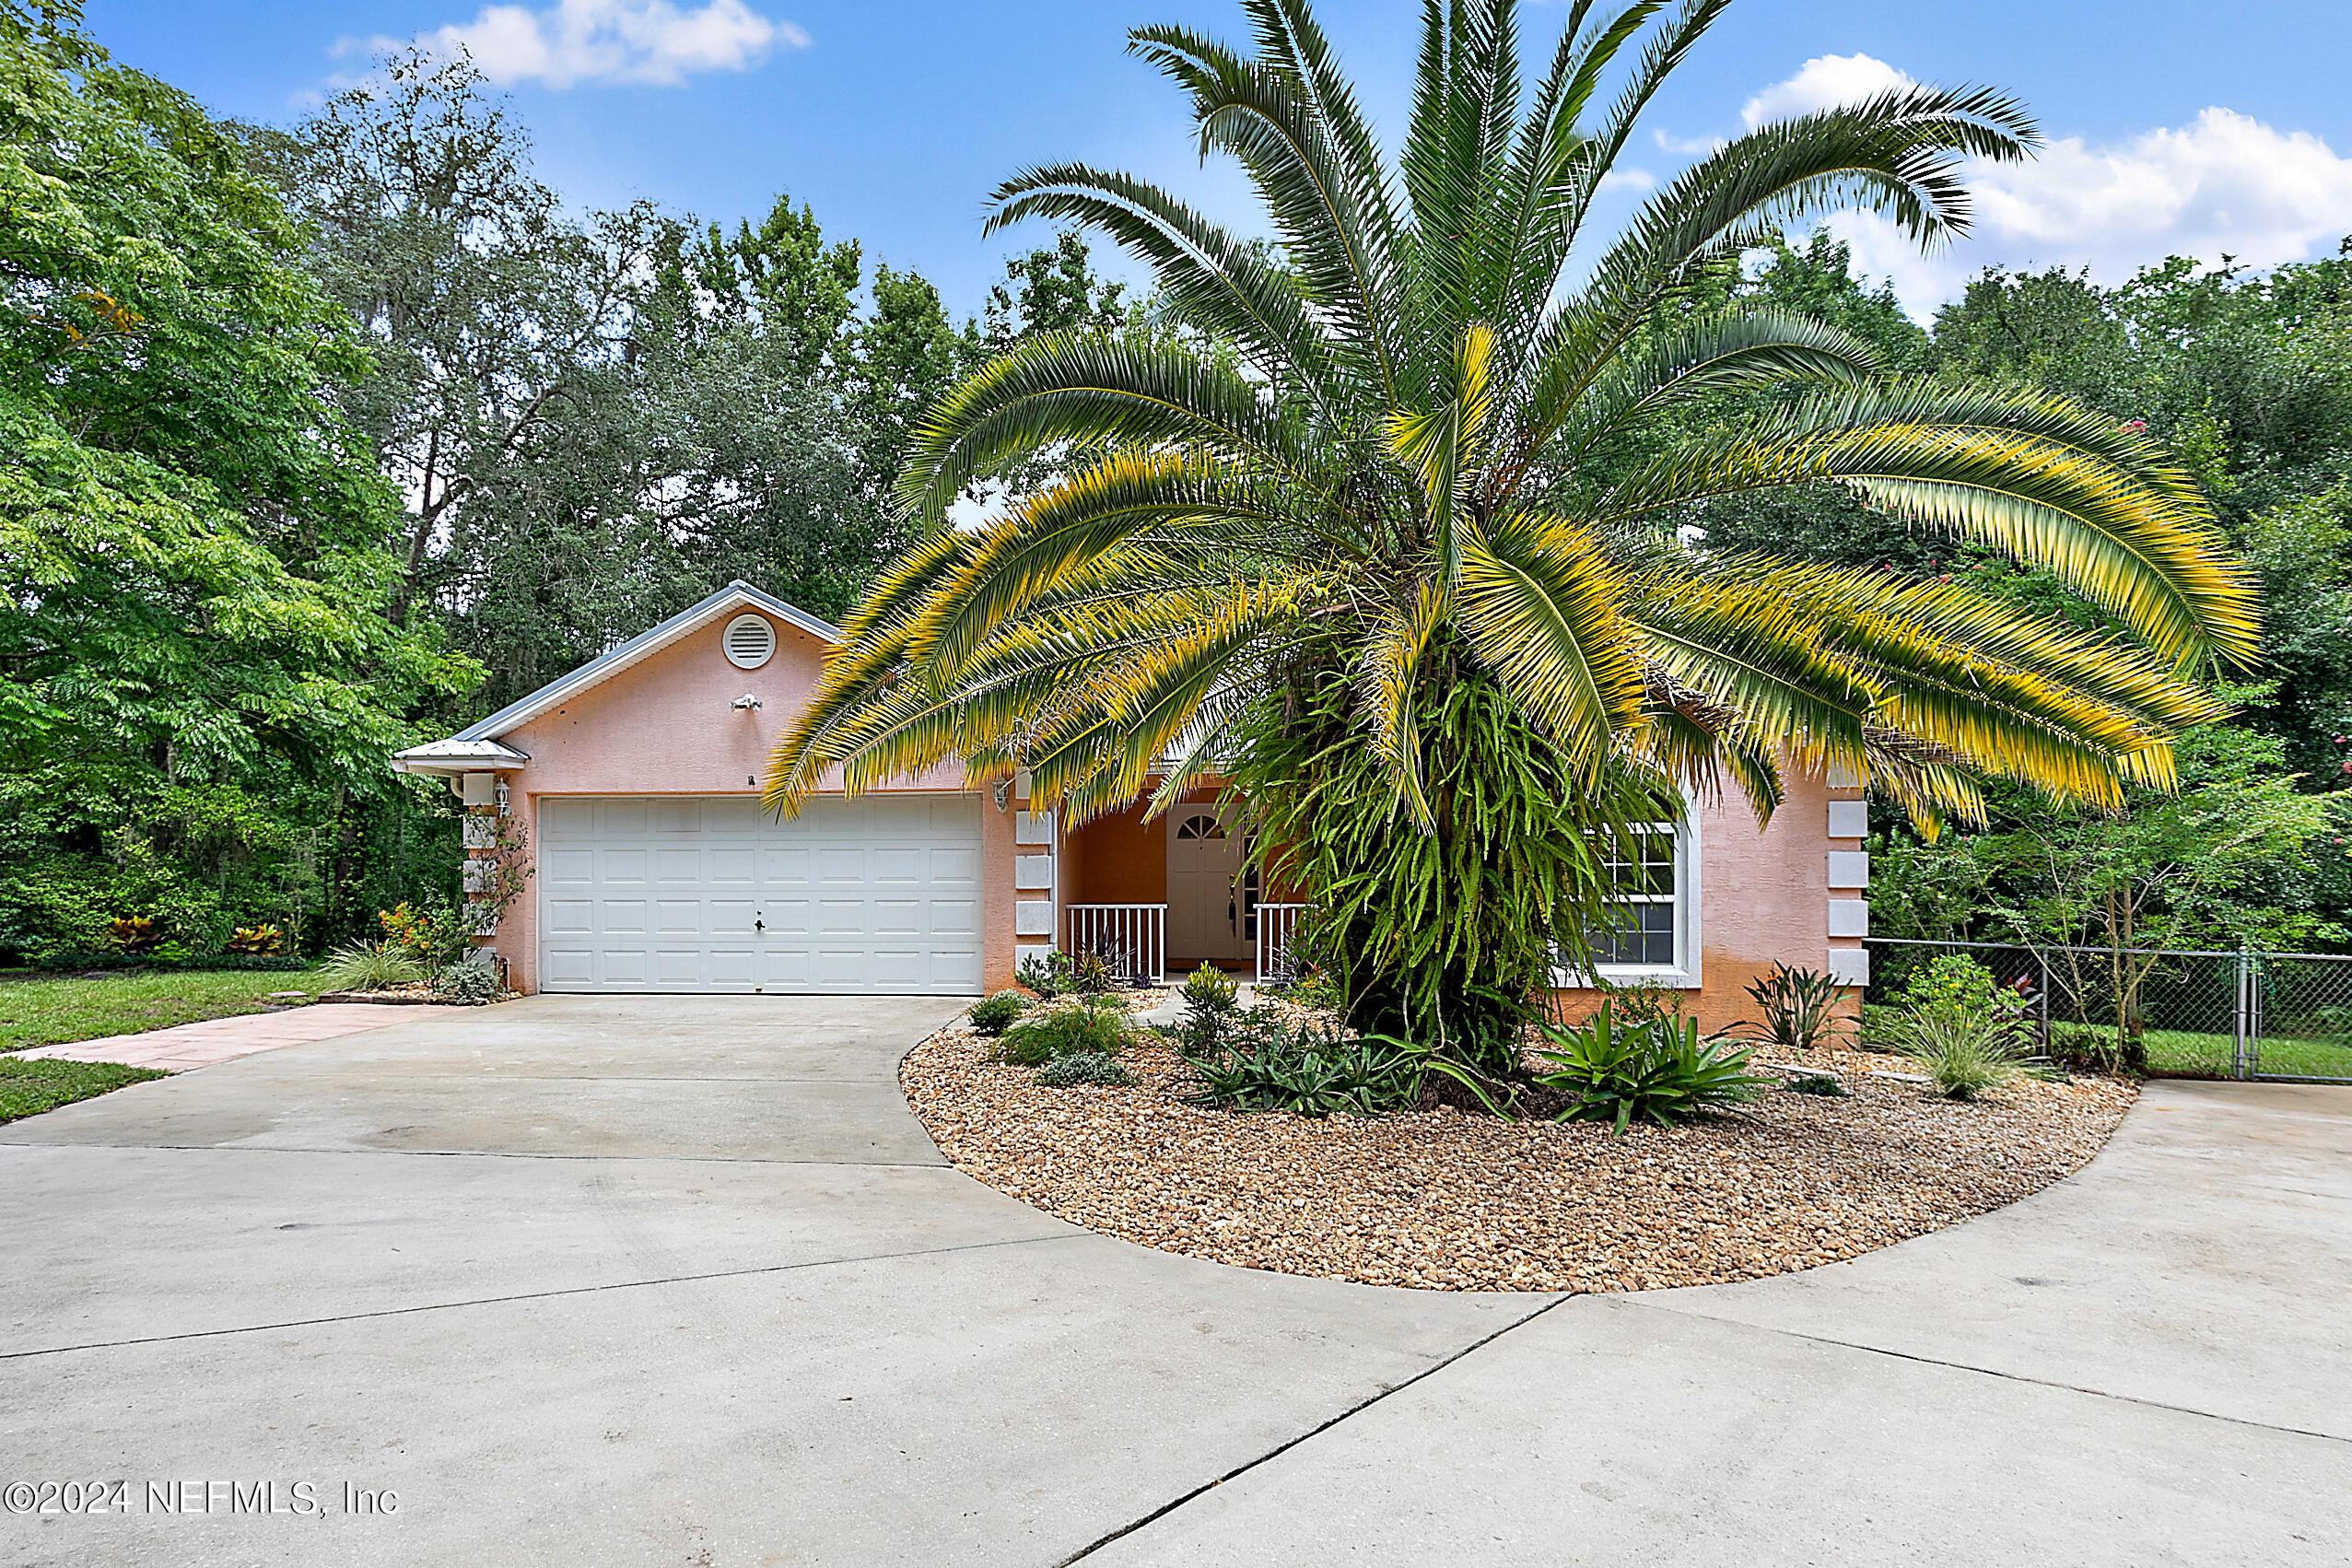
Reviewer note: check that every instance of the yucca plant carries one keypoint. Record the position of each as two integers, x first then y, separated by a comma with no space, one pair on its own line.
1799,1008
1385,521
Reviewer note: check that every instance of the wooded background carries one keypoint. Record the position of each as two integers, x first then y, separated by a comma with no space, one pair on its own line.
318,441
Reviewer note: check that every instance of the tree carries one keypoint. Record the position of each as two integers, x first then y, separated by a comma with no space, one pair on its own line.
1828,522
1410,571
483,302
2232,858
193,623
908,357
598,420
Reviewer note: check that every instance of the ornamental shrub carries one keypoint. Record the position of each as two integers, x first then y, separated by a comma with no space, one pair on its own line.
1262,1064
1959,987
1084,1066
1210,997
992,1015
368,966
468,985
1049,976
435,933
1798,1007
1966,1052
1090,973
1053,1031
1618,1069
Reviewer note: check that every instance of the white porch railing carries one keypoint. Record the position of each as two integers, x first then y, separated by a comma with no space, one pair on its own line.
1132,938
1277,926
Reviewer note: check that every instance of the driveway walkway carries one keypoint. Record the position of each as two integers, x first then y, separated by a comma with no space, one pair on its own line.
671,1281
210,1040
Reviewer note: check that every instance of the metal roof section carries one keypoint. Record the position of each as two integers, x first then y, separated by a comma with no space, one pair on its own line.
455,756
736,596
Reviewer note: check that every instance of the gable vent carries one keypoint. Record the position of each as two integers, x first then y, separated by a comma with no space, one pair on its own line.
749,641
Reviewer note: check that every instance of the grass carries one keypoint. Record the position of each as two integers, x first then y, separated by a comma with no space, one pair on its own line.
2185,1051
28,1088
50,1009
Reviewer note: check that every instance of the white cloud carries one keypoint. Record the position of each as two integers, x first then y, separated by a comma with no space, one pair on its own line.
1629,179
2225,183
1689,147
1824,83
611,41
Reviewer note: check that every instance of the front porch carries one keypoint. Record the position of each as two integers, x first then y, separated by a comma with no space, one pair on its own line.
1161,897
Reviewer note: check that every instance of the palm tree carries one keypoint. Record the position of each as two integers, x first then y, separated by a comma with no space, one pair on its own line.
1389,520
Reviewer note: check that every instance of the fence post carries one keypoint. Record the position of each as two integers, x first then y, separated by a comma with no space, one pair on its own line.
2241,1021
2043,959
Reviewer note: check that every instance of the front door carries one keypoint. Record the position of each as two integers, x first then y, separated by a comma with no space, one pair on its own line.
1204,886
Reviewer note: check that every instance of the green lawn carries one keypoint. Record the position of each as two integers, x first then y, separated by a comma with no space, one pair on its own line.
2179,1050
49,1010
28,1088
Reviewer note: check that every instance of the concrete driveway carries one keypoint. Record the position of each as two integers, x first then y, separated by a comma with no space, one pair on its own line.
677,1280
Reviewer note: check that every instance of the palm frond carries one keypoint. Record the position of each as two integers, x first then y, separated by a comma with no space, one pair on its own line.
1541,607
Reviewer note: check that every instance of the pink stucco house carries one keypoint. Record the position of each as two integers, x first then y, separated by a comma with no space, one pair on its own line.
635,781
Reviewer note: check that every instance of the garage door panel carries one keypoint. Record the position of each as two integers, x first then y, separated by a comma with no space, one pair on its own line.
904,868
565,867
684,968
691,894
789,917
568,966
785,969
956,917
898,919
842,968
731,818
899,968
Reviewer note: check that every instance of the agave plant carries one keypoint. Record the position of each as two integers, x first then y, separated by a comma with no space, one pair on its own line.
1658,1069
1387,520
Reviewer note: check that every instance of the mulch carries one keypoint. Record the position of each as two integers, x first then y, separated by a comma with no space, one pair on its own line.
1448,1200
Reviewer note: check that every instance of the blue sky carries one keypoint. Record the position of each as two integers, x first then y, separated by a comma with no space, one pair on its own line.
2176,126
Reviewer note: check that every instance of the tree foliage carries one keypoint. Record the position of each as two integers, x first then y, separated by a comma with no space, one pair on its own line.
194,628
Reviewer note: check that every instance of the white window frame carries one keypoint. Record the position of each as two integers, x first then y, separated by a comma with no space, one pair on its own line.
1684,973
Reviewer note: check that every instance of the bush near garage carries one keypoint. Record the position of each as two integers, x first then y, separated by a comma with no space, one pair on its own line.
1090,1024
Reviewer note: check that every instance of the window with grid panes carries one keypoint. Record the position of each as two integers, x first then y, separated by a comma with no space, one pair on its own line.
1642,883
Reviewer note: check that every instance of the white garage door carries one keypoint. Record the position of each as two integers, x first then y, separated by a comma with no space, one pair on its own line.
711,893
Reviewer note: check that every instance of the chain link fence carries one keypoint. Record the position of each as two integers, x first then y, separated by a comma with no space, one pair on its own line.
2270,1015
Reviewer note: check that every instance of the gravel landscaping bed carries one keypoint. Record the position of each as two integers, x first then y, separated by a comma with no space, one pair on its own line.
1443,1200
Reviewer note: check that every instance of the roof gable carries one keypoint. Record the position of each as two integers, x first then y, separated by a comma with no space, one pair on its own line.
736,596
